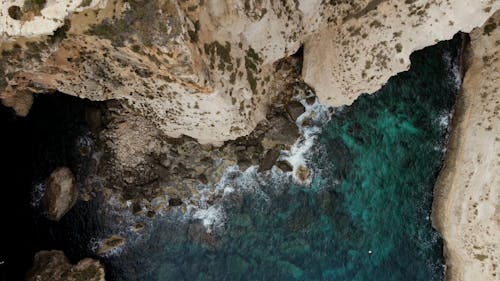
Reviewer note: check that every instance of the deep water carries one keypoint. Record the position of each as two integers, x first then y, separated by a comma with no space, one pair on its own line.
364,217
30,148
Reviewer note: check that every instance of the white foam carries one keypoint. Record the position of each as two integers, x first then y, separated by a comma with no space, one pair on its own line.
297,156
214,216
37,194
455,72
444,120
200,205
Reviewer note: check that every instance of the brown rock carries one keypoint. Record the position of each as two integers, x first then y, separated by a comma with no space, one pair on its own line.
138,227
308,122
282,132
55,266
269,159
311,100
175,202
61,193
284,166
294,109
110,243
20,102
303,173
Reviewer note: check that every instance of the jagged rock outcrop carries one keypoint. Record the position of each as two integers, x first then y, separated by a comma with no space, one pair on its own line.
55,266
207,69
467,196
150,165
60,193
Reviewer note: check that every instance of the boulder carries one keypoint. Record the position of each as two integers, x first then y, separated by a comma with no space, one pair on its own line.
269,159
55,266
111,243
282,133
60,194
294,109
302,173
285,166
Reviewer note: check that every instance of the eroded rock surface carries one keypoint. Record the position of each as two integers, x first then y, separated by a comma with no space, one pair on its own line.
141,163
467,196
208,69
55,266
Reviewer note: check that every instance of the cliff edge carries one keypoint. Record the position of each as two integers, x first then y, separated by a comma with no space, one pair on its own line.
209,69
466,207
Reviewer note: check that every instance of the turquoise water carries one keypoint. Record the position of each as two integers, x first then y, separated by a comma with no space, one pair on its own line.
364,217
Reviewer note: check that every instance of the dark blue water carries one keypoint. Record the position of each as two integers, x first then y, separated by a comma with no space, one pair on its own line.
364,217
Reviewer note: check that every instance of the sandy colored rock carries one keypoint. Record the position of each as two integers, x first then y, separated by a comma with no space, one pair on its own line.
55,266
26,18
60,193
359,56
467,195
208,69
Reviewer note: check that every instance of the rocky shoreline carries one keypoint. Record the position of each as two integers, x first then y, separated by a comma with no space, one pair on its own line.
466,208
183,103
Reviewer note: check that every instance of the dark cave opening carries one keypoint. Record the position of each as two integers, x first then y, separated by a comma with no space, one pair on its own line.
31,147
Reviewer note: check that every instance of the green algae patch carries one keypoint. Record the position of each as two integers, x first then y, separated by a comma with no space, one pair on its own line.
33,6
252,63
480,257
220,55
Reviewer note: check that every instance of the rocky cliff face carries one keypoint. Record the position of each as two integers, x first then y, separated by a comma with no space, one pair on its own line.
209,69
466,206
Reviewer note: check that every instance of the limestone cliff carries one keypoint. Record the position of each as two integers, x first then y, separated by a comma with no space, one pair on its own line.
466,207
208,69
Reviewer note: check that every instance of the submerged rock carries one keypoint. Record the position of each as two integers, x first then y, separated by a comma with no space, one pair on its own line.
302,173
55,266
285,166
111,243
61,193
